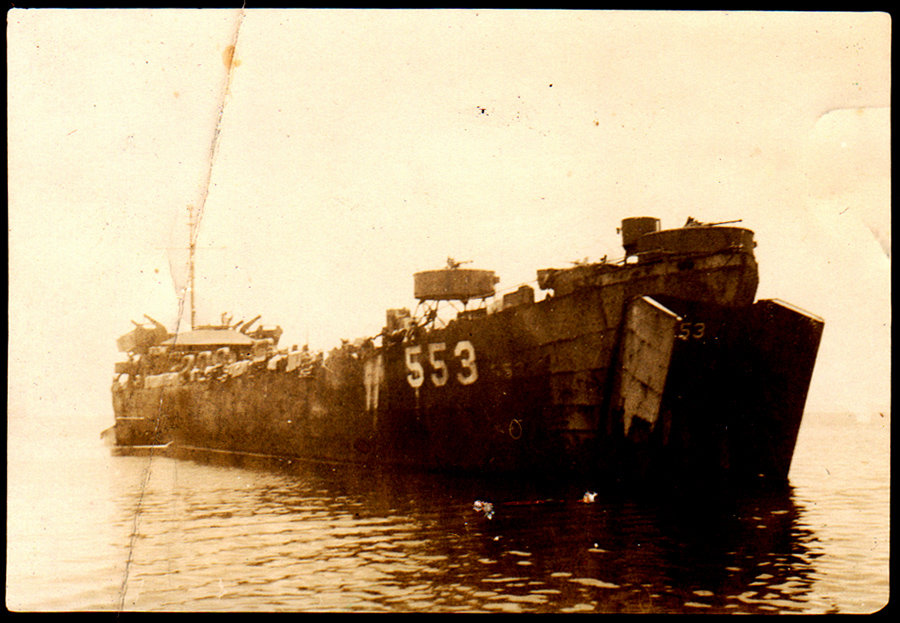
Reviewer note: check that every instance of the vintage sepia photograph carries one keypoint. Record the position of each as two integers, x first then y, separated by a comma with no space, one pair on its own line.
408,310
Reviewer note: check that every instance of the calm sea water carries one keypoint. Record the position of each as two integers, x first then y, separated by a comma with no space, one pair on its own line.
91,531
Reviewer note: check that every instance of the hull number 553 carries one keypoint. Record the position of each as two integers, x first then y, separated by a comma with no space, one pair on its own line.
463,353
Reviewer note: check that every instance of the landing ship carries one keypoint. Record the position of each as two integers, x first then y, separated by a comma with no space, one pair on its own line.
660,365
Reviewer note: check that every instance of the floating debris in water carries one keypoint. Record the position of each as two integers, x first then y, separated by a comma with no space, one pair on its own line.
589,497
484,507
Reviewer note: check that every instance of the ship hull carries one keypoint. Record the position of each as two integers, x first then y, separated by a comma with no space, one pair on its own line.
620,380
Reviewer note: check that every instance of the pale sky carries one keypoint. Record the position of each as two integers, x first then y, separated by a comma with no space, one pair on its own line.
358,147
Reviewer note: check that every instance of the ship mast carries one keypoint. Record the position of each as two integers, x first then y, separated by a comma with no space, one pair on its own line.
191,248
213,151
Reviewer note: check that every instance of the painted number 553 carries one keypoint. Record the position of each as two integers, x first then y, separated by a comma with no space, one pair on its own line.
464,353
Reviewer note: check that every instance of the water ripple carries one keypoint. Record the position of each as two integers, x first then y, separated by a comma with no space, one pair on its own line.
219,535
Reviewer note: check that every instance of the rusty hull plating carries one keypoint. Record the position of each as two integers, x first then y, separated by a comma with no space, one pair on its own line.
655,367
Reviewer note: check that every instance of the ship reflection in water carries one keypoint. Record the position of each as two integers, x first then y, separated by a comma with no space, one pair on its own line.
225,533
